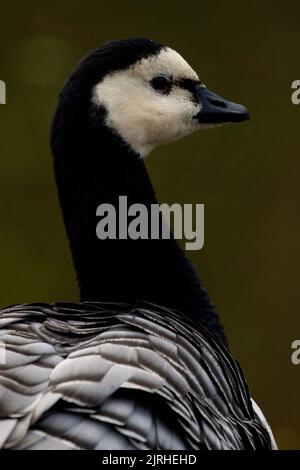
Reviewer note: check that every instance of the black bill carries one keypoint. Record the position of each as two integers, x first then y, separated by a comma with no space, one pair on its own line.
218,110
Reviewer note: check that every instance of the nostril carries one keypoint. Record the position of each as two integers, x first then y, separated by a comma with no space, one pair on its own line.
218,103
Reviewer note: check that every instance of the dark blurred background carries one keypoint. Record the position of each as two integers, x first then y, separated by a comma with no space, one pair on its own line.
247,175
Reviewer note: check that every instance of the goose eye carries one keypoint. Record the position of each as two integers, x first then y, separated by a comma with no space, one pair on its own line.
161,83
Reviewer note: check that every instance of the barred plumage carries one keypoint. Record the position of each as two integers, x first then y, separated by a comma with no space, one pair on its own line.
109,376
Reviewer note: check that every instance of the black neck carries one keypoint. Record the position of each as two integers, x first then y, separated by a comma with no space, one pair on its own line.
92,167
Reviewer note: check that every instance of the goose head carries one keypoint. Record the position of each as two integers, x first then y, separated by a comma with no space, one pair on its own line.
158,99
121,101
146,94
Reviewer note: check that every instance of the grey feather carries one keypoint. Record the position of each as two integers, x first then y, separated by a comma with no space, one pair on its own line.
105,376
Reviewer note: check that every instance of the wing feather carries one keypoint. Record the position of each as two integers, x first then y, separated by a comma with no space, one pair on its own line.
110,376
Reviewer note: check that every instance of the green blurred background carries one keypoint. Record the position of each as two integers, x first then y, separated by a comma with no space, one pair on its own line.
247,175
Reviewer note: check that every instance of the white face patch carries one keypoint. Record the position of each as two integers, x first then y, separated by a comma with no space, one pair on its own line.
141,115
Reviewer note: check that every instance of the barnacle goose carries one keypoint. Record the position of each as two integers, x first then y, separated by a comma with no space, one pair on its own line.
141,362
